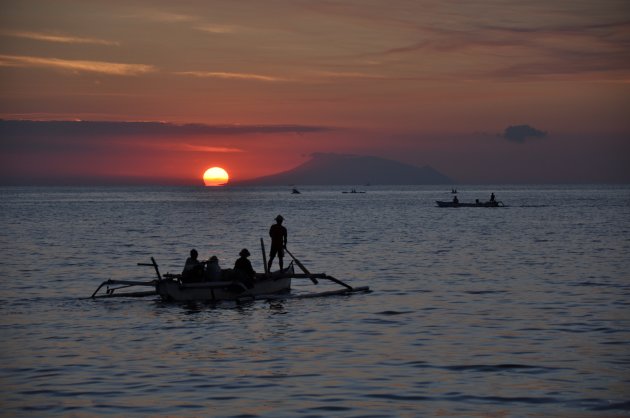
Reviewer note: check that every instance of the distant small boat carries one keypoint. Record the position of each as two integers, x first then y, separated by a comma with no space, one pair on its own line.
353,191
295,191
454,191
451,204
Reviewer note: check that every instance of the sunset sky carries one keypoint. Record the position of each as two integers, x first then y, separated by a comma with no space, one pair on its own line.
158,91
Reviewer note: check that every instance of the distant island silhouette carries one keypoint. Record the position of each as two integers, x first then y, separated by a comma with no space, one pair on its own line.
345,169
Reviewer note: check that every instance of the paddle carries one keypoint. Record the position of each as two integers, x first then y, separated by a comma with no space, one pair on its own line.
332,279
300,265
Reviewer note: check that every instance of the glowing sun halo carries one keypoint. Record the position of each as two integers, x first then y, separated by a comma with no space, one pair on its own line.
215,176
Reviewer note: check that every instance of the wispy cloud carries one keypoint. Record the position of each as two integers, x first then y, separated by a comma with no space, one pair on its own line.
48,37
199,148
218,29
162,16
524,52
102,67
230,75
349,75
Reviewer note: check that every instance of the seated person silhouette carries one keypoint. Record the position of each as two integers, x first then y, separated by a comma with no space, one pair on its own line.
193,269
243,270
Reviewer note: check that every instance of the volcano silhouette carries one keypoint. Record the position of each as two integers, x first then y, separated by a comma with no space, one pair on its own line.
344,169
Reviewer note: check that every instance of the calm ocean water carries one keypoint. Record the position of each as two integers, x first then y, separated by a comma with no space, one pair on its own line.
516,311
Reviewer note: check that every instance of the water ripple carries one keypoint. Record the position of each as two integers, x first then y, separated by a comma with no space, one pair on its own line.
521,312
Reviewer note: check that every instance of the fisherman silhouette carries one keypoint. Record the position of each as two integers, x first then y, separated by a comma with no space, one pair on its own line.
193,269
213,269
278,234
243,270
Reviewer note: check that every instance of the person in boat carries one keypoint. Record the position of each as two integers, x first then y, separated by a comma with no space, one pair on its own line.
213,270
278,234
477,202
455,200
492,199
243,270
193,269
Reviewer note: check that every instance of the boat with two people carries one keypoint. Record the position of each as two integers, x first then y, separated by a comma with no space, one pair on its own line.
455,203
230,287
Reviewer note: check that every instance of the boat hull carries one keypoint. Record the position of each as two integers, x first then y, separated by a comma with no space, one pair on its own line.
173,290
451,204
170,287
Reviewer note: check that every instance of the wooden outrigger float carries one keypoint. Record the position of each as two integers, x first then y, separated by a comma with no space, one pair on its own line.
266,286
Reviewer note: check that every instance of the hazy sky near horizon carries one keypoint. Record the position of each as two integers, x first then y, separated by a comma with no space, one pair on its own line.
483,91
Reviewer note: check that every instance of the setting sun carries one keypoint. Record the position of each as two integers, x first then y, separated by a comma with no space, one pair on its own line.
215,176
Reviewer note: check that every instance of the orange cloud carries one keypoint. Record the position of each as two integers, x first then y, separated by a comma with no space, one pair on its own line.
211,28
57,38
162,16
102,67
199,148
349,75
228,75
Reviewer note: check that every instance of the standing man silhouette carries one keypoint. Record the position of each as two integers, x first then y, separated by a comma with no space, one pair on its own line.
278,234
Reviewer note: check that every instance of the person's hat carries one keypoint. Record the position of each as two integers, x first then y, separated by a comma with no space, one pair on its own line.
244,253
279,218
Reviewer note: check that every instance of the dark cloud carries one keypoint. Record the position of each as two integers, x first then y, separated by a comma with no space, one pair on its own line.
93,128
520,133
67,136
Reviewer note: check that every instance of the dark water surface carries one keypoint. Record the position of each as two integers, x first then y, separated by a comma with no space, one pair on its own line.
516,311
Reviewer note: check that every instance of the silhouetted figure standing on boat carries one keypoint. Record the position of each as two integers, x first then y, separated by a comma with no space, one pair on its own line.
455,200
278,234
492,199
193,269
243,270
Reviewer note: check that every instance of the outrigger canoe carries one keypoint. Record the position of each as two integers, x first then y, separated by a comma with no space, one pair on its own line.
276,285
451,204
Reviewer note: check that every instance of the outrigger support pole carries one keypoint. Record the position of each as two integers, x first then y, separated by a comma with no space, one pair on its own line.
262,247
99,288
154,265
123,284
129,283
323,276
